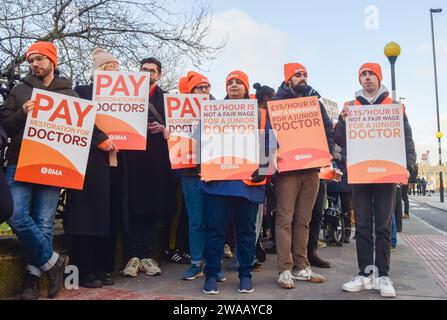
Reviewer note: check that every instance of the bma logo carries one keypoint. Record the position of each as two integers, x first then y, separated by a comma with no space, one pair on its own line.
118,138
303,156
49,171
376,170
229,166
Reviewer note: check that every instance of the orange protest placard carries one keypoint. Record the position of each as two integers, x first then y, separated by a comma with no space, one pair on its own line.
182,112
376,144
229,139
56,140
299,129
122,100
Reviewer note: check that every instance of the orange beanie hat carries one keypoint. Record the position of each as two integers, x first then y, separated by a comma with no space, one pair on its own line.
196,80
240,76
192,74
183,85
290,69
45,48
372,67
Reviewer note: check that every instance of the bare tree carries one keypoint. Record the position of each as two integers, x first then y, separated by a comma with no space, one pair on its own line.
131,30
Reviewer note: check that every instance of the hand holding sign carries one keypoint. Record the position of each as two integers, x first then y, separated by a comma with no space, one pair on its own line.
155,127
28,106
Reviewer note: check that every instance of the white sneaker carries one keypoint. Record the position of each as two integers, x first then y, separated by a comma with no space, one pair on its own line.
385,287
131,268
285,280
150,267
359,283
307,275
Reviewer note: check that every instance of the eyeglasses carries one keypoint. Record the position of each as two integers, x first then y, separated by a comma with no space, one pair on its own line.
202,88
149,70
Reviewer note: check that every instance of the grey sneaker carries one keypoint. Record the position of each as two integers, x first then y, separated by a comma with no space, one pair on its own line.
131,268
150,267
285,280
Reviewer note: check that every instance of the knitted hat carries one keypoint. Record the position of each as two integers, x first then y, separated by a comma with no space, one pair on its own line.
240,76
183,85
45,48
101,56
372,67
290,69
196,80
192,74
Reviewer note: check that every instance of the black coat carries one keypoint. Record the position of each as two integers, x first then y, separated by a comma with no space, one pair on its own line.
151,185
89,210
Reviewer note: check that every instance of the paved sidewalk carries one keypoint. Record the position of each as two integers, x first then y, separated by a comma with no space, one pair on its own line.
421,248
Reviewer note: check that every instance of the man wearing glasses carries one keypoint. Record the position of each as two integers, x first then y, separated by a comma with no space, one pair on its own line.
34,205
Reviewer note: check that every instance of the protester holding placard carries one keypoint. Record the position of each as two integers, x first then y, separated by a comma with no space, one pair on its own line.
373,202
151,187
223,198
34,205
296,191
93,213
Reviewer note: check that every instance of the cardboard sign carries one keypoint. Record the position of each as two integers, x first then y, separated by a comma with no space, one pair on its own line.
331,108
56,140
122,100
299,129
376,144
229,139
182,112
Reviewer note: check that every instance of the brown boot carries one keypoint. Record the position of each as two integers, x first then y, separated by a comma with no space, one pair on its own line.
316,261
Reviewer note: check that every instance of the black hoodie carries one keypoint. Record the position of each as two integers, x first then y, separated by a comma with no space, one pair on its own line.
13,117
284,93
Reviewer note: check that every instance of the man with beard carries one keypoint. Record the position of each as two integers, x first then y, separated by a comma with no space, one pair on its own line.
34,205
296,193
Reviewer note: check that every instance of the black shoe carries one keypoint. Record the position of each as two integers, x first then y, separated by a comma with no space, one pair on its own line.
56,276
31,290
105,278
175,256
316,261
90,280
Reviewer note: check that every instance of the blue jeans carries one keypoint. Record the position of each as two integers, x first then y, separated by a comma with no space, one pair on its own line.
194,200
218,210
393,231
33,220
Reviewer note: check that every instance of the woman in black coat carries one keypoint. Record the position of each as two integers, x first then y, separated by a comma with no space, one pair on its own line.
5,194
93,214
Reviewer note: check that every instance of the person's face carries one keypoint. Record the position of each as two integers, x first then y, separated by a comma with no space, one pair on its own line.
40,65
369,82
111,66
203,88
153,69
298,79
236,89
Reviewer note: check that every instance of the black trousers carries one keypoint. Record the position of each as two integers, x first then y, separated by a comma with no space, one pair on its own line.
346,208
405,199
143,240
373,207
317,216
94,253
6,207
